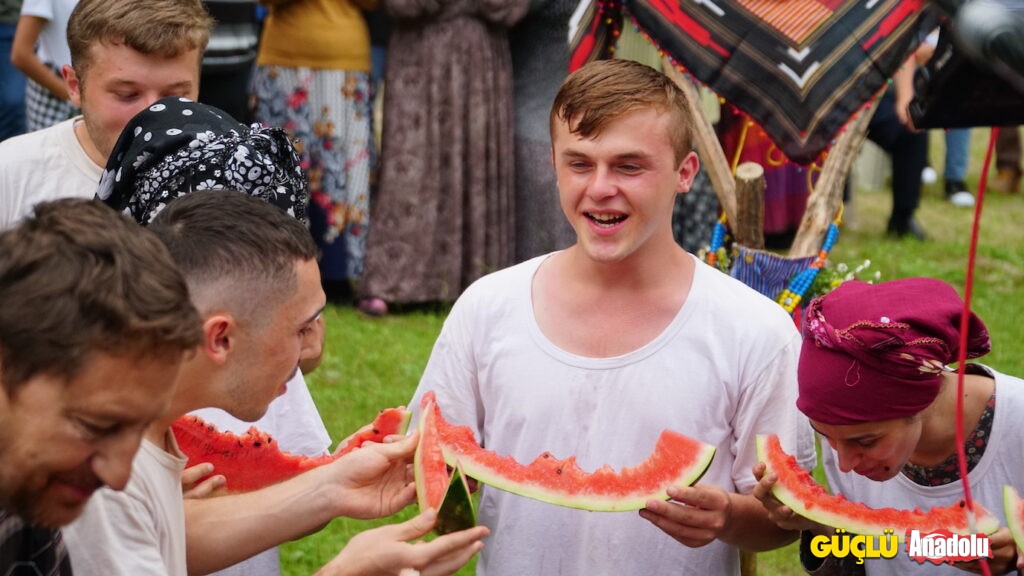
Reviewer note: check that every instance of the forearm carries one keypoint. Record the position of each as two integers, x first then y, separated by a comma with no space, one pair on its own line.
750,528
225,530
23,56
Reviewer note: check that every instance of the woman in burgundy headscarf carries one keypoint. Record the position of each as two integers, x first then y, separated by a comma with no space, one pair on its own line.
875,383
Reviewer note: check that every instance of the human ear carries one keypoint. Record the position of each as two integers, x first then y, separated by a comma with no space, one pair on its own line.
688,168
219,335
73,83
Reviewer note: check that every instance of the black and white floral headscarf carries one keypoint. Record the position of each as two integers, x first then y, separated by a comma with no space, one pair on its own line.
177,146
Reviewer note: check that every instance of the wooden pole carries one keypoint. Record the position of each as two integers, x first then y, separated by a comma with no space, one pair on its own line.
748,228
707,145
823,204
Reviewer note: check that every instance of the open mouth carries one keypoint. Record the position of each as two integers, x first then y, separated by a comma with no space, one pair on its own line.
605,220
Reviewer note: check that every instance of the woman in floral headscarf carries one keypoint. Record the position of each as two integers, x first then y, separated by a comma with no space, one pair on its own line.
875,383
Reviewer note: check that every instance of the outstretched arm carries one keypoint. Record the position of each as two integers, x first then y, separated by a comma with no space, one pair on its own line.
371,482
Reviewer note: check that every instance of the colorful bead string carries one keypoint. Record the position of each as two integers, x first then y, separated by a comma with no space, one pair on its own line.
794,292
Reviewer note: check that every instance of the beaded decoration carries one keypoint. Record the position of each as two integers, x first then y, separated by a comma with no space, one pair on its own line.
794,292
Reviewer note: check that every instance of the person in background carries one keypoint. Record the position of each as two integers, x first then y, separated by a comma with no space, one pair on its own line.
126,55
95,321
1008,170
313,80
47,99
445,211
624,334
230,56
12,81
876,385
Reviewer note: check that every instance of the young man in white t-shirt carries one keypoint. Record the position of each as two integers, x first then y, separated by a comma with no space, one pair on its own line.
593,350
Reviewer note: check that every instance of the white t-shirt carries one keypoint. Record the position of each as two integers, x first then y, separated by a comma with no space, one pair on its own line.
140,530
53,39
1000,464
723,371
295,423
43,165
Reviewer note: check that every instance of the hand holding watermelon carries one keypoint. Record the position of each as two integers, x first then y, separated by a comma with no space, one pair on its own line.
199,481
783,516
386,551
371,482
697,515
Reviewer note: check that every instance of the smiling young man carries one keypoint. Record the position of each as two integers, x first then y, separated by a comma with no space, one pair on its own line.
125,55
620,336
94,323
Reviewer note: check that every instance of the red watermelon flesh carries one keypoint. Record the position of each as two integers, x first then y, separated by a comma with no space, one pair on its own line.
676,461
253,460
429,468
800,492
1013,507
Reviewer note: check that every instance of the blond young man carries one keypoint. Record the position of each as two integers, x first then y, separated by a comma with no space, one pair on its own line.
125,55
620,336
94,323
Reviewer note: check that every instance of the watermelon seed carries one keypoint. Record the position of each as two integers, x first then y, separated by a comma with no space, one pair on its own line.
256,444
375,431
558,470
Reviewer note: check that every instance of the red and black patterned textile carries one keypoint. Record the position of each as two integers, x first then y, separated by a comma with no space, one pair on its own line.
799,68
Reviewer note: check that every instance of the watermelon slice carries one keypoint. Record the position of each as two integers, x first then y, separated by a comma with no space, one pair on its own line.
253,460
429,468
798,490
676,461
1013,507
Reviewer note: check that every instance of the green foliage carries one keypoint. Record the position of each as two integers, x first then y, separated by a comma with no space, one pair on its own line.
372,364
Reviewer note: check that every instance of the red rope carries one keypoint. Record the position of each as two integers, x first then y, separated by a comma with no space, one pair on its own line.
961,457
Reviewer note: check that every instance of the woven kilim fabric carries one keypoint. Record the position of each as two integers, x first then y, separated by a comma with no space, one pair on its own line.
799,68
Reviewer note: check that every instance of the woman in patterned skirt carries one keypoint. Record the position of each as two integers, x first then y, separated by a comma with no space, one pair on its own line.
312,79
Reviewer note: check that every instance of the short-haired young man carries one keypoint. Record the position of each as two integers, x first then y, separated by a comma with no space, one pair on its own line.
618,337
253,276
125,55
94,323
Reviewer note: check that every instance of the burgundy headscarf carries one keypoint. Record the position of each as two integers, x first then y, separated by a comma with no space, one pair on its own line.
876,352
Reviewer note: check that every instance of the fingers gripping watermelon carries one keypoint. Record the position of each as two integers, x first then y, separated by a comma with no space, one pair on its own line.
253,460
676,461
798,490
1013,507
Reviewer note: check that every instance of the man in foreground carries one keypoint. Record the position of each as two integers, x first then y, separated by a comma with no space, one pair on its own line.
618,337
94,323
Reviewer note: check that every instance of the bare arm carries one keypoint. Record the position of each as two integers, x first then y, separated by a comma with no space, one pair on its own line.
23,56
370,482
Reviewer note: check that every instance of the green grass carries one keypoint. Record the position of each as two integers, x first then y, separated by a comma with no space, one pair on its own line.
371,364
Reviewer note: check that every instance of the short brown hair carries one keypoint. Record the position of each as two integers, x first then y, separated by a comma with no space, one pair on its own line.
76,278
603,91
163,27
234,247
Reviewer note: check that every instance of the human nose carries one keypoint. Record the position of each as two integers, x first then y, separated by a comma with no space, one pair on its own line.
112,463
602,184
848,458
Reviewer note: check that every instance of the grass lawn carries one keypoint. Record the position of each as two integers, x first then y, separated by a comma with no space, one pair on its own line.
372,364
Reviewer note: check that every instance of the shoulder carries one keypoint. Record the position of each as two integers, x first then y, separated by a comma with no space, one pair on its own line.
738,306
508,286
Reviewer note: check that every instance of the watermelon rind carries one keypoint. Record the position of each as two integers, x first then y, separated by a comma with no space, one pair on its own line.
1013,509
675,461
457,512
798,490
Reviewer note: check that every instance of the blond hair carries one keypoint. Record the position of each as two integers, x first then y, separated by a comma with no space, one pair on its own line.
602,91
161,27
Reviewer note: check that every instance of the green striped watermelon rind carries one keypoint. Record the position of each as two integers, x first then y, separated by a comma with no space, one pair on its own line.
798,490
675,461
1013,508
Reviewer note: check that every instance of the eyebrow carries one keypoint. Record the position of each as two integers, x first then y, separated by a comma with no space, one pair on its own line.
637,155
126,83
